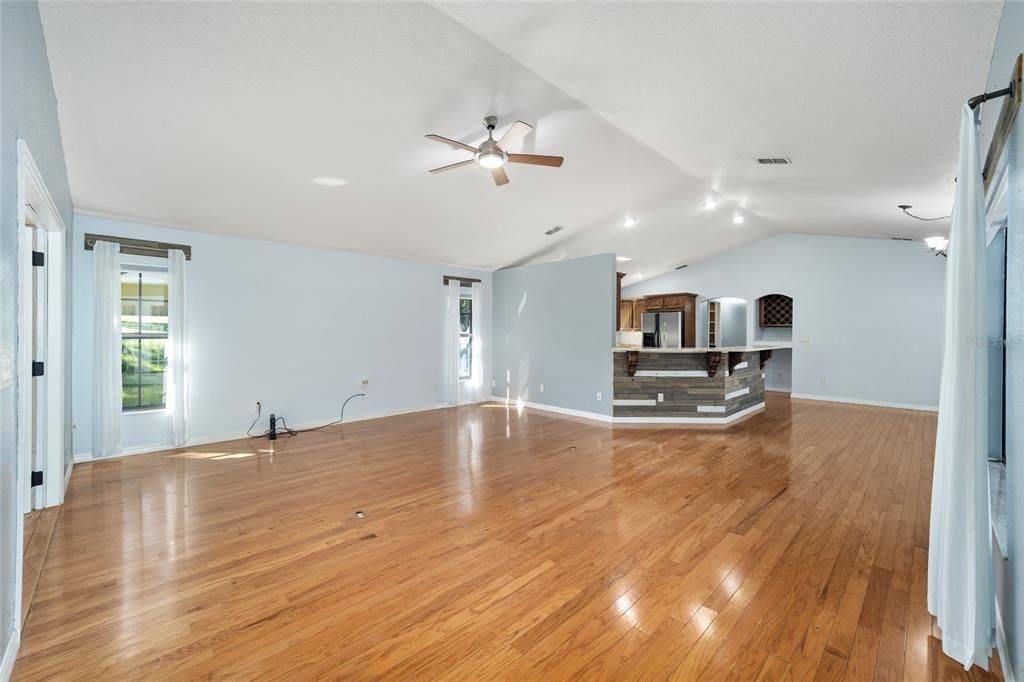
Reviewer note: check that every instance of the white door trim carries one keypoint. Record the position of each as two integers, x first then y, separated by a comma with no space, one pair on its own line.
32,191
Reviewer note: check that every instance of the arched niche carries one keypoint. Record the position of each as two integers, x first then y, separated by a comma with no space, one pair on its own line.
724,321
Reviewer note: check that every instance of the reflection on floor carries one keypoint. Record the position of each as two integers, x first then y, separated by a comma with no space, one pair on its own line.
504,545
38,531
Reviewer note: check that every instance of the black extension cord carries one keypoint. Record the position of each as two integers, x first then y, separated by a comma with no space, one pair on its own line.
287,430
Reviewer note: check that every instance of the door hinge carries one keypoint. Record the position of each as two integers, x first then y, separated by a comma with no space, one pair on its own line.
37,369
37,478
38,259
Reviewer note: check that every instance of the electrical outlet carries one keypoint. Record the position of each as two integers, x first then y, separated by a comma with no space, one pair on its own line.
805,339
824,381
437,387
493,383
364,382
661,397
542,388
599,396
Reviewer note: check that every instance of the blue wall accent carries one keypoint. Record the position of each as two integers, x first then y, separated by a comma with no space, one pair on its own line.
554,324
867,313
291,326
1010,573
28,111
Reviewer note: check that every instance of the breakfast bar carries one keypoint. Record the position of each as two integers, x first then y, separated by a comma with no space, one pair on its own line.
688,385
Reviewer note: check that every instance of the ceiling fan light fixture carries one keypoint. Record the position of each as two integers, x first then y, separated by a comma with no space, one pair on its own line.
629,221
936,243
709,203
490,159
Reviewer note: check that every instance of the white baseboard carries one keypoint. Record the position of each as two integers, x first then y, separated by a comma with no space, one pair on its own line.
1002,644
10,654
873,403
635,420
557,410
67,476
223,437
703,421
778,389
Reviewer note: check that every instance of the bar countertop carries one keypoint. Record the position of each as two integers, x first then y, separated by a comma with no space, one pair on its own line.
722,349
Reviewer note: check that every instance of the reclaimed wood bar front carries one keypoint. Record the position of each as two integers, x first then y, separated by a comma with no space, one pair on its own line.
688,385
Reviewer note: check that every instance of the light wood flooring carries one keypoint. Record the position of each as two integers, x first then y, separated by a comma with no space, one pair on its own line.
499,545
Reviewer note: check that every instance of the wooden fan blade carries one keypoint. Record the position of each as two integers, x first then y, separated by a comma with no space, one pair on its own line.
500,176
452,165
536,159
452,143
515,134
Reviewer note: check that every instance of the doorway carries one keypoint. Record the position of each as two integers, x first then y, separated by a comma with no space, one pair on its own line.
42,439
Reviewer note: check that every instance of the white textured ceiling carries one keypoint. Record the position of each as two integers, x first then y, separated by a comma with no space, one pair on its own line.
215,116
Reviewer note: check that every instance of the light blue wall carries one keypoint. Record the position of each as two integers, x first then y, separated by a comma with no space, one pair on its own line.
1010,575
555,324
291,326
869,309
28,110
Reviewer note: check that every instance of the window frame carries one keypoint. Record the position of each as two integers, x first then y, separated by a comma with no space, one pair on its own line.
141,336
468,335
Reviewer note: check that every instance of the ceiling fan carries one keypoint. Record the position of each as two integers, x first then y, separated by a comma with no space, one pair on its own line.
492,153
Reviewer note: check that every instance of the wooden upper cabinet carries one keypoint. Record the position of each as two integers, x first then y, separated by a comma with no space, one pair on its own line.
675,302
671,303
639,308
626,315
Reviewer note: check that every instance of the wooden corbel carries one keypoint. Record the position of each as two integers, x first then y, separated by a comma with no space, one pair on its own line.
714,359
632,358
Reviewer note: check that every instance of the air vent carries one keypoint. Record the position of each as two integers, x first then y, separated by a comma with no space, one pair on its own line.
774,161
901,239
680,267
553,230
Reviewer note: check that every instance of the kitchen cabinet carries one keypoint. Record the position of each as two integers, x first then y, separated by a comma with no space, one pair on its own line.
671,303
684,303
631,314
626,315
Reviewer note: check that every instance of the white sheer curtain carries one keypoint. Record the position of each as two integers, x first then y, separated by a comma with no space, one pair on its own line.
106,393
452,342
960,581
476,383
176,369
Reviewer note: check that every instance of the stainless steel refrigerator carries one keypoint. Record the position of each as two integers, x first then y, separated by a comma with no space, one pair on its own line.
662,330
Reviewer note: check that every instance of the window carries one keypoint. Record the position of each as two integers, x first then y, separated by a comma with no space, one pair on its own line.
143,339
466,337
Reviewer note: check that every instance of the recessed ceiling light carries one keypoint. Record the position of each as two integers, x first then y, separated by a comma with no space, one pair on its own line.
737,219
623,259
709,203
328,181
630,221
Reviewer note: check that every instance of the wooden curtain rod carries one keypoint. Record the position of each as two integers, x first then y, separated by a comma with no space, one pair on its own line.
138,247
463,281
1007,115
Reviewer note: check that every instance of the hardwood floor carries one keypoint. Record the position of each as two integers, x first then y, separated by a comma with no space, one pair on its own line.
38,532
504,546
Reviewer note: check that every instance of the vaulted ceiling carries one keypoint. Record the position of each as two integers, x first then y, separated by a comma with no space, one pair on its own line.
216,116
